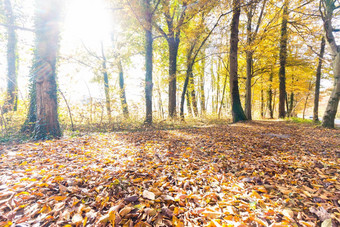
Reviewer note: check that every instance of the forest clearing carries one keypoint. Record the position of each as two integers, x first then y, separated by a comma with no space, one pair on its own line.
261,173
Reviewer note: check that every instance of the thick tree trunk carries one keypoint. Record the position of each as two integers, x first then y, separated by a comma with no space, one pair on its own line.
106,85
237,111
173,51
11,101
46,50
333,102
149,65
283,60
122,94
317,82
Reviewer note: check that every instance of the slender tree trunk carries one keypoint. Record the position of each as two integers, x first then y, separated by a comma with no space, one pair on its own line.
283,60
218,89
48,14
223,95
106,84
237,111
262,101
122,94
305,106
188,103
149,65
193,93
11,101
173,51
249,61
317,83
202,76
185,90
270,102
291,104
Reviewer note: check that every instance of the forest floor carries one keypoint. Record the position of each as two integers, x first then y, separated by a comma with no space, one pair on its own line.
260,173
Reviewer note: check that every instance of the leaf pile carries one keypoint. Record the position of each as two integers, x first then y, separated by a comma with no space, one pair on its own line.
249,174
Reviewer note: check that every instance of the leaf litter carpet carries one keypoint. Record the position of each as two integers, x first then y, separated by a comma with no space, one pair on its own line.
247,174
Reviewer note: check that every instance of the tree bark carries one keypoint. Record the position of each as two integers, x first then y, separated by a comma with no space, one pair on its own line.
11,101
317,82
333,102
148,63
173,51
122,94
106,84
283,60
202,76
193,93
237,111
249,66
47,22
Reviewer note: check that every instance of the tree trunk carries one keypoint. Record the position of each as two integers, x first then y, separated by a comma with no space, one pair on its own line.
237,111
185,89
262,101
327,11
122,94
249,66
173,51
11,101
106,85
149,65
283,60
46,50
333,102
187,95
202,76
193,93
317,82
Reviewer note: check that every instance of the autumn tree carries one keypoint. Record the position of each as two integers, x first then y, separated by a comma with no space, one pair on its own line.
47,19
237,110
11,100
327,10
283,59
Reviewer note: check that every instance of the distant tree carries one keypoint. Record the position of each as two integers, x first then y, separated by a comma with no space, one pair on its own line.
11,100
106,82
327,10
237,110
47,19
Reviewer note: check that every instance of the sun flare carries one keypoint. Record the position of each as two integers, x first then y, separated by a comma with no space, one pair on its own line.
87,21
